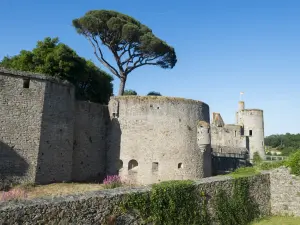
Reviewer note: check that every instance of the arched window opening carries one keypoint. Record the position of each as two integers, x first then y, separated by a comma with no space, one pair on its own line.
132,164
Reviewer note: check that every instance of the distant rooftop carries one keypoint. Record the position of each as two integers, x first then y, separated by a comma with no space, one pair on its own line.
31,75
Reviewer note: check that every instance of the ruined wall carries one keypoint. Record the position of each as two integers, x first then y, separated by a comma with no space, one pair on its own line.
228,139
90,141
155,138
86,206
285,192
253,122
21,112
56,141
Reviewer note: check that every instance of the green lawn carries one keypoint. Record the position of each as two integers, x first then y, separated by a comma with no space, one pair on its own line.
278,220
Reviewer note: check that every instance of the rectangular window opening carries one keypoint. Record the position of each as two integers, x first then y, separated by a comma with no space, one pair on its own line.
154,166
26,83
250,132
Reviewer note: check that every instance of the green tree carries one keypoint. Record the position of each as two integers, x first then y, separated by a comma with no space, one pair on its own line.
129,92
283,140
154,93
131,43
52,58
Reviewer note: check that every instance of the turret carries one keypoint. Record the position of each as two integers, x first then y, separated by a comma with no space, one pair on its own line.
252,121
241,105
204,144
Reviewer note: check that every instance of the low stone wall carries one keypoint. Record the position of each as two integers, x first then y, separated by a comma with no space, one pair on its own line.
96,207
285,192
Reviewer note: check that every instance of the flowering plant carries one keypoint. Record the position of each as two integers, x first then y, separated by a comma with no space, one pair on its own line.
13,194
112,181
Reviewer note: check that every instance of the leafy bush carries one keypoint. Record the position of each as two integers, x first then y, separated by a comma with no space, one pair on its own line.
256,158
130,92
238,209
170,202
294,163
112,182
154,93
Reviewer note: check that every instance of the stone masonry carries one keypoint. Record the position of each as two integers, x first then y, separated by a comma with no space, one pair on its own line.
46,135
95,207
244,137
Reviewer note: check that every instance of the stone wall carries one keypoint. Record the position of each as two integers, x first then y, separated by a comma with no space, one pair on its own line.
56,140
228,139
285,192
89,154
159,138
95,207
21,110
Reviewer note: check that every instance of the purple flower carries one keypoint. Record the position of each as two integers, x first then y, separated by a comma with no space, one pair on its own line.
13,194
112,181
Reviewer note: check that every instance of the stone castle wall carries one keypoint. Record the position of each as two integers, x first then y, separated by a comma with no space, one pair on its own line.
90,135
228,139
285,192
21,111
159,138
47,136
95,207
56,134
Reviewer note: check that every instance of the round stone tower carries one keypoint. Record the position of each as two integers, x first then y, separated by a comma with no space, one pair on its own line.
155,138
252,121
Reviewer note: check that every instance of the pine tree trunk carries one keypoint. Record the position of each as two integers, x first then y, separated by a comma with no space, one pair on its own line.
122,85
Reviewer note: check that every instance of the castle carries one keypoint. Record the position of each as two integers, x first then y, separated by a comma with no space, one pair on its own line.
46,135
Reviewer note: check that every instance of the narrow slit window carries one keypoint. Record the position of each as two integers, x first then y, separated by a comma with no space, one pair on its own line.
235,133
26,83
250,132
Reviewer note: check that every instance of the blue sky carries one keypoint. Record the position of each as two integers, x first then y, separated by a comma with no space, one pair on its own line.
223,48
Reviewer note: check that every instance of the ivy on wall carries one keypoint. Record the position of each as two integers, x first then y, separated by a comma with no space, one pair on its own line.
182,203
170,202
239,208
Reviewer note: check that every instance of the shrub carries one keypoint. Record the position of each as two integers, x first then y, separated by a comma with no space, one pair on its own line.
294,163
256,158
13,194
113,181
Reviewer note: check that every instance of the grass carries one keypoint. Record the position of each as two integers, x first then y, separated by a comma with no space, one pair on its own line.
256,169
278,220
244,172
58,189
